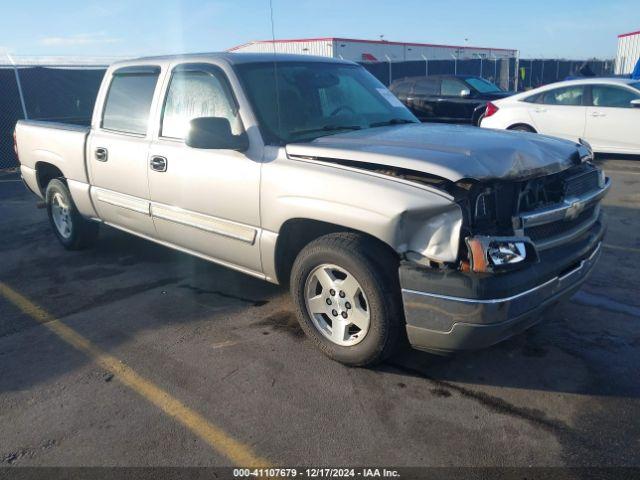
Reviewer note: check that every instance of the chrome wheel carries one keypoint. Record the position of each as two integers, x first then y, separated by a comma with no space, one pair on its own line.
61,214
337,305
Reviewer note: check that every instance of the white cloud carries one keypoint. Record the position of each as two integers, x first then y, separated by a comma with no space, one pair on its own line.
79,39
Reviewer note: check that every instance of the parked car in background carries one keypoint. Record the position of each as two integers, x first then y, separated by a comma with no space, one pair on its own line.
315,175
447,98
603,111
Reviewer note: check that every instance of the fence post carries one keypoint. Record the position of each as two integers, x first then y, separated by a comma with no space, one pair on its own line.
390,70
15,71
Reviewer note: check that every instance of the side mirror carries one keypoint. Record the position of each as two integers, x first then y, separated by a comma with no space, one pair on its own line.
465,92
635,103
215,133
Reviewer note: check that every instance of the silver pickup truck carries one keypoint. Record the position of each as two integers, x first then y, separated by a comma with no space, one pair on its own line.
308,171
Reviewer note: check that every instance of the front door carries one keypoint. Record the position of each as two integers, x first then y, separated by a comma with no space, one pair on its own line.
206,201
613,123
455,105
117,151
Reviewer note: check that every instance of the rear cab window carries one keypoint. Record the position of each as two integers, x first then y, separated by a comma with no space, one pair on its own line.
128,102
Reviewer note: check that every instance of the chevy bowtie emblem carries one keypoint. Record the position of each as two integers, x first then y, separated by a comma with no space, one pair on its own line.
574,210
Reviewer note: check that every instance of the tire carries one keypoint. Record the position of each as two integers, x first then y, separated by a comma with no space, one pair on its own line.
522,128
72,230
374,308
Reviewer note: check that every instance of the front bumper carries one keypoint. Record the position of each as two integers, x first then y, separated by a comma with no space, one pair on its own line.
489,311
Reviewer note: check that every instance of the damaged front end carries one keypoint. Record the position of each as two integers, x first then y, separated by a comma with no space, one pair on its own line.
507,224
523,246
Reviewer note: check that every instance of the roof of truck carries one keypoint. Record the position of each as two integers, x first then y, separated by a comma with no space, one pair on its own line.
236,58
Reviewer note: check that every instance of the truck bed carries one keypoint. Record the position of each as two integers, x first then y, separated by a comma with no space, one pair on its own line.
62,145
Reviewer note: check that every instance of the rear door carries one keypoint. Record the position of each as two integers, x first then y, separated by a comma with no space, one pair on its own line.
117,150
206,201
560,112
613,124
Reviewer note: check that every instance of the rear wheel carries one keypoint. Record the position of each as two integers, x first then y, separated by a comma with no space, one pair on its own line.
347,297
73,231
522,128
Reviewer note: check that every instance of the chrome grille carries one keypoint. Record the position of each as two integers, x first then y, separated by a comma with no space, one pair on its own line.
580,184
547,231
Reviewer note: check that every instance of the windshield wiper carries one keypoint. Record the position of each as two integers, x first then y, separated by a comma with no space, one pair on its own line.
327,128
393,121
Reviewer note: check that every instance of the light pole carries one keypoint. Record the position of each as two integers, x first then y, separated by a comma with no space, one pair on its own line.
19,84
426,65
390,71
479,55
495,68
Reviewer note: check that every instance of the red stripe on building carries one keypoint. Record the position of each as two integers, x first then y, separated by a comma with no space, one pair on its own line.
628,34
357,40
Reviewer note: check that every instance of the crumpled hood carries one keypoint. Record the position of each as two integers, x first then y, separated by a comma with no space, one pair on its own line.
453,152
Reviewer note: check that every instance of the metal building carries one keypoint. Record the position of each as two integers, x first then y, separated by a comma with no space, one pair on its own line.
374,50
628,52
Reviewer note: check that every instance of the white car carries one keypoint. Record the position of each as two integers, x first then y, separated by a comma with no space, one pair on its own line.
603,111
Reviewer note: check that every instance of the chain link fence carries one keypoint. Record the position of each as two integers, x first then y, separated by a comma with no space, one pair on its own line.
510,74
536,72
67,93
502,72
49,93
10,113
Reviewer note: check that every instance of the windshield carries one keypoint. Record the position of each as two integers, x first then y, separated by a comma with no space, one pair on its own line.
301,101
482,85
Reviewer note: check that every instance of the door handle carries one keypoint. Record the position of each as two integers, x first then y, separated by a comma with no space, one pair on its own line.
598,114
101,154
158,164
540,110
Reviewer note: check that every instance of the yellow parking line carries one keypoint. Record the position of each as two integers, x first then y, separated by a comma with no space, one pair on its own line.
217,438
624,249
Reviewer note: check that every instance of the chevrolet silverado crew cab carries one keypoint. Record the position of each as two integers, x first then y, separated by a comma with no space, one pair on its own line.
308,171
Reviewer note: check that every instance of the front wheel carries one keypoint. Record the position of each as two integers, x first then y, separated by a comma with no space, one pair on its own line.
73,231
347,297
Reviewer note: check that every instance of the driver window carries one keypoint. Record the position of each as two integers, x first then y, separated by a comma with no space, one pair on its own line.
452,87
607,96
194,94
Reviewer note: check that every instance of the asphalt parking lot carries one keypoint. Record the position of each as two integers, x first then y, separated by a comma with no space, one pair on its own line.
131,354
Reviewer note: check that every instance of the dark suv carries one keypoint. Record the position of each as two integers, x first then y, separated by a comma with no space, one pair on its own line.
447,98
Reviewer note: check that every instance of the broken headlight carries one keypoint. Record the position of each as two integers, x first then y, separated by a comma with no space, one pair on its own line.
489,254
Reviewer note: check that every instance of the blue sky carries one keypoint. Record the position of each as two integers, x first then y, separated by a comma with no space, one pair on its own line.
561,28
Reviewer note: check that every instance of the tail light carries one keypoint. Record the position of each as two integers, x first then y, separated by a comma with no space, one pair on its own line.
491,109
15,145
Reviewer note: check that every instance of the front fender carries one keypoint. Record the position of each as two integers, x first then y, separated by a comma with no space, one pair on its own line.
407,216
